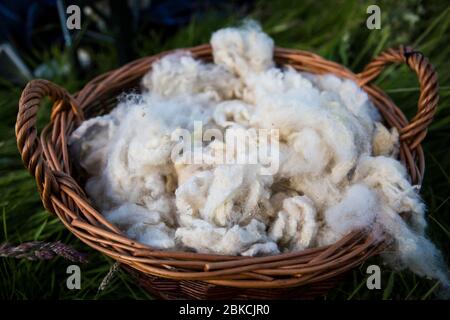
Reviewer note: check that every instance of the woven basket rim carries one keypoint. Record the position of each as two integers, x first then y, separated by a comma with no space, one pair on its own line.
47,159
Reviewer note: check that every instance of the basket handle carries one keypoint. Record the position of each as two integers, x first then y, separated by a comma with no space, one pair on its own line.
28,142
416,130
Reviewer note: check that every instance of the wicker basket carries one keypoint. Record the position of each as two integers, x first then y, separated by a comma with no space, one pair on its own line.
295,275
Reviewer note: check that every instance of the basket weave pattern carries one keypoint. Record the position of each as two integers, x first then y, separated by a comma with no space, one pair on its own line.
170,274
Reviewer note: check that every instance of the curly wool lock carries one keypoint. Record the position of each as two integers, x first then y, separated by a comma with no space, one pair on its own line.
337,168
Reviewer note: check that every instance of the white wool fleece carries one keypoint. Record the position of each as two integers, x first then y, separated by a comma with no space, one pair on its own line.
337,169
206,238
385,142
295,226
356,211
181,74
288,101
242,50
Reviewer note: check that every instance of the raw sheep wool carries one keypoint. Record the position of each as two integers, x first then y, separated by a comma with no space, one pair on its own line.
337,169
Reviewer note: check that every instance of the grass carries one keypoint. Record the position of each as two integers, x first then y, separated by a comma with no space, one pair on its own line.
336,32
